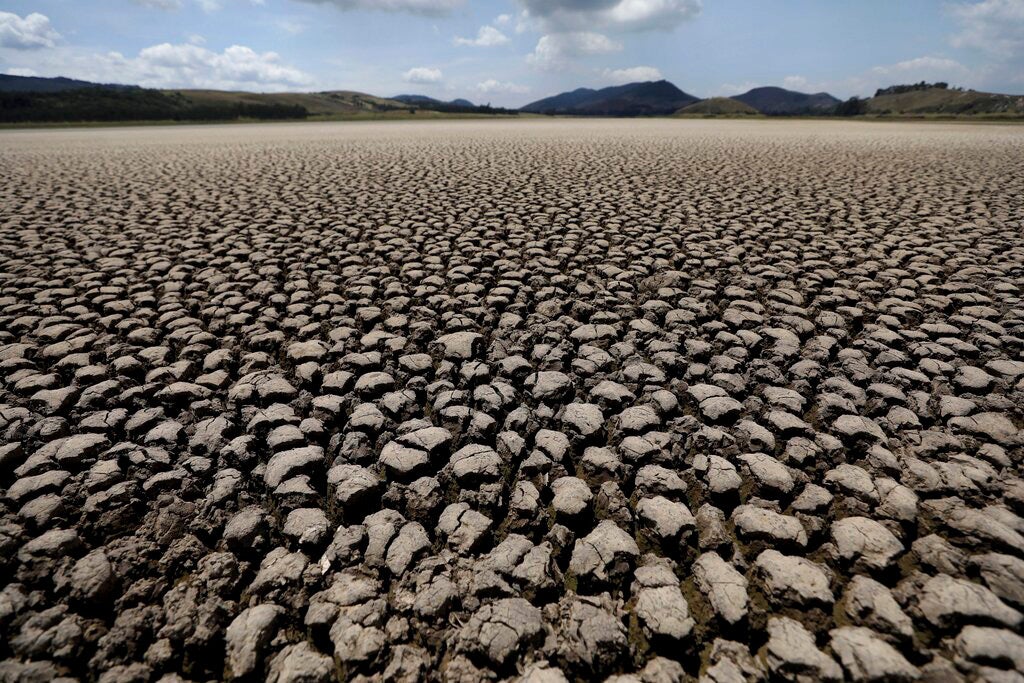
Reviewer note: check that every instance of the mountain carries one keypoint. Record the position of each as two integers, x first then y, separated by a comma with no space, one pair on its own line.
649,98
718,106
11,83
781,102
942,101
425,101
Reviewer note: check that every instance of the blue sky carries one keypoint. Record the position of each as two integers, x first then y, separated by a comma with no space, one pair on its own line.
510,52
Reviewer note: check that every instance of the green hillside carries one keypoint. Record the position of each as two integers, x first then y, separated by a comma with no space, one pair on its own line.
718,106
335,102
943,101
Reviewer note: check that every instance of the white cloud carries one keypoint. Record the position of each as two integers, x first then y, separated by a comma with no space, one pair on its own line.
794,83
422,75
729,89
208,6
926,68
938,67
290,26
159,4
32,32
492,85
175,66
237,67
633,74
24,71
487,36
553,51
424,7
992,26
502,19
616,15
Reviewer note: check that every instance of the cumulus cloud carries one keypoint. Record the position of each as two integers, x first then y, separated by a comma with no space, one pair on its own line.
939,67
175,66
925,68
237,67
794,83
208,6
632,74
159,4
424,7
992,26
555,50
29,33
614,15
422,75
492,85
487,36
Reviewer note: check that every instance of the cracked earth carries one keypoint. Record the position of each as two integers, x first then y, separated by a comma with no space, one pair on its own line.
544,401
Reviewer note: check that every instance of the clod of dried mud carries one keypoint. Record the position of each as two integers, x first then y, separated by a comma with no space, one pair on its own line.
543,401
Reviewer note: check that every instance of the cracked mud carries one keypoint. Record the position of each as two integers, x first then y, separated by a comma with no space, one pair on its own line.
541,401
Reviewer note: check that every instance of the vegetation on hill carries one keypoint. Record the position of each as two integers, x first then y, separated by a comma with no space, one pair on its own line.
718,106
775,101
12,83
910,87
104,104
136,104
649,98
63,100
945,102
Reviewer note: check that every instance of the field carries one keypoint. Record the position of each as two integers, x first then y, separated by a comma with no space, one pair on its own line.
474,400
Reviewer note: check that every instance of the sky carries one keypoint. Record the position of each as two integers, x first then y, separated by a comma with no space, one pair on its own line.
510,52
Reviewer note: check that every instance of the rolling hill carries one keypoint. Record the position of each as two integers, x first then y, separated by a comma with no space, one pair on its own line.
12,83
332,102
939,101
649,98
781,102
424,100
718,106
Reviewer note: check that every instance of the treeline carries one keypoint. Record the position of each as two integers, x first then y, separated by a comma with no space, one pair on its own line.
910,87
449,108
108,104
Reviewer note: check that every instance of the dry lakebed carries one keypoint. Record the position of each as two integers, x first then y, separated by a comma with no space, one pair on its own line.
546,400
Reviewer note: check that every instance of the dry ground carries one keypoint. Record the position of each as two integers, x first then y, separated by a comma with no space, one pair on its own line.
479,400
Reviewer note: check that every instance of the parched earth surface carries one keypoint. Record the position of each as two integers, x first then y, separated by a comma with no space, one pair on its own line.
638,400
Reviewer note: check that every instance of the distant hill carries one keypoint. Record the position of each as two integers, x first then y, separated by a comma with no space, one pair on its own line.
424,100
942,101
103,103
315,103
649,98
718,106
781,102
11,83
136,104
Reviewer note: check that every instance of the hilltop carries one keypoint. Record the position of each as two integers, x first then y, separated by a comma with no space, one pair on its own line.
940,100
424,100
718,106
12,83
647,98
776,101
